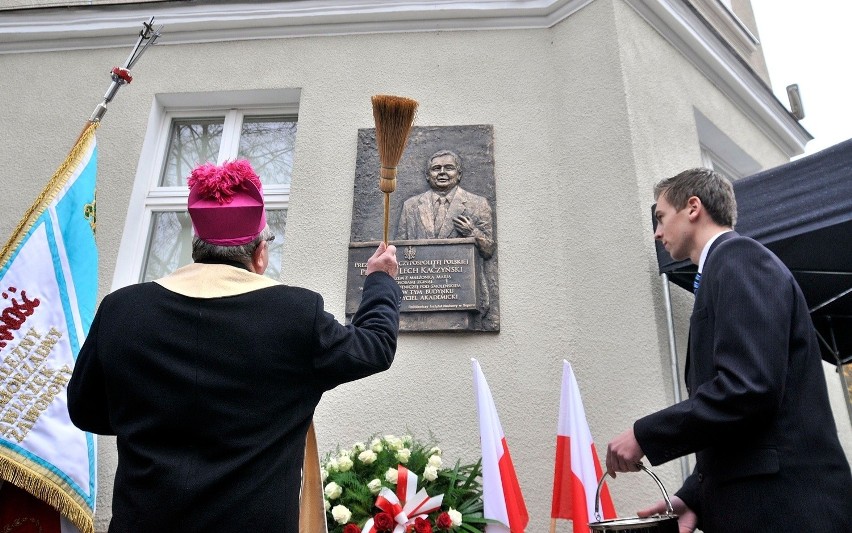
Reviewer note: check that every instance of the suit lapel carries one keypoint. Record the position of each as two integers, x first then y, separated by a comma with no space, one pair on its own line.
427,215
720,239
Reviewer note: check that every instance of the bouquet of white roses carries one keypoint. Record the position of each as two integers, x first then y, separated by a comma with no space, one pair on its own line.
392,484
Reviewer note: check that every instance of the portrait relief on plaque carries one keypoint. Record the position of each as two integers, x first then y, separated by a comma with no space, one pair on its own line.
443,223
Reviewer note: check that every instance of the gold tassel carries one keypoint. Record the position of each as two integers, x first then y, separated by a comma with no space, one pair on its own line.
48,492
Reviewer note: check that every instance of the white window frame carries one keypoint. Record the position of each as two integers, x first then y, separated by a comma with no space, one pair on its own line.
710,159
720,152
148,198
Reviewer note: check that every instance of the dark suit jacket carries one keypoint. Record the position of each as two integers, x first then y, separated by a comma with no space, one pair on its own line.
417,220
209,379
758,416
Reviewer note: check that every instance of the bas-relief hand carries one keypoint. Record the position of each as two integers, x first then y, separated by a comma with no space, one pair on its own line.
464,225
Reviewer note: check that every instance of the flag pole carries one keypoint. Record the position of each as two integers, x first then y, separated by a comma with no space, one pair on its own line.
121,75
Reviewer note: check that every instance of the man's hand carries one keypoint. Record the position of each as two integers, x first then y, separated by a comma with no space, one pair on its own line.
687,520
464,225
622,453
383,260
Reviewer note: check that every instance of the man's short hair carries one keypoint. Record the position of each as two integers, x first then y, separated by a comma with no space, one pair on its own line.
714,190
203,250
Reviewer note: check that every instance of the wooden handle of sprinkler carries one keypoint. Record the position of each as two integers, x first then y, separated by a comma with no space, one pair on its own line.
387,212
387,184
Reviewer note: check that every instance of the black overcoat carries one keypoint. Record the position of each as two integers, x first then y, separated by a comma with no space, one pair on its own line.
209,379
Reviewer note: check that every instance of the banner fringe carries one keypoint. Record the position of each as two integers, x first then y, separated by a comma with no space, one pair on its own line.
49,493
49,192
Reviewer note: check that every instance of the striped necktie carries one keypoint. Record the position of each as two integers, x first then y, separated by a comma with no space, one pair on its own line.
441,214
696,283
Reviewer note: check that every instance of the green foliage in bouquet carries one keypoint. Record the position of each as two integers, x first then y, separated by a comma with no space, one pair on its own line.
352,478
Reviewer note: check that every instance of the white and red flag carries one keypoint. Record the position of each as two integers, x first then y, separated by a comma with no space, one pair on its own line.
501,493
578,470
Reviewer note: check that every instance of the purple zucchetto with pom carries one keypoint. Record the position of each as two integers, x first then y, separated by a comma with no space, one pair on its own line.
226,203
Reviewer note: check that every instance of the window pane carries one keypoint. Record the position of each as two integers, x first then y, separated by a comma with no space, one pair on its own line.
191,142
169,244
277,221
268,143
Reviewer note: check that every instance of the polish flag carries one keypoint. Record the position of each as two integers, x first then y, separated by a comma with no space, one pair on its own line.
501,493
578,470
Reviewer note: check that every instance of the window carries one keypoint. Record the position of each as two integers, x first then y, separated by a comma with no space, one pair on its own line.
720,152
158,233
711,160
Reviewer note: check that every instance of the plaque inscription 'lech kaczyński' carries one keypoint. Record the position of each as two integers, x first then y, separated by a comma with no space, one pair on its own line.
433,276
439,282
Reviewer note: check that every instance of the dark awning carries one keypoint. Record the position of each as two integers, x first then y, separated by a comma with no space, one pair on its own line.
802,211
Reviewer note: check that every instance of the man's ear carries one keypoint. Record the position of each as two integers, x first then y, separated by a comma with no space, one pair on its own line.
694,207
260,258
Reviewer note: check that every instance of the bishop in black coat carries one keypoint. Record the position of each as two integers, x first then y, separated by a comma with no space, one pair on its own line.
209,377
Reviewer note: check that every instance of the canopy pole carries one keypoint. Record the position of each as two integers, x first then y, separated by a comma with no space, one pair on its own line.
667,296
843,379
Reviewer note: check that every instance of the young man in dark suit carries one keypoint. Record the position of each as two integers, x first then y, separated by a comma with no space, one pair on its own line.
758,416
209,377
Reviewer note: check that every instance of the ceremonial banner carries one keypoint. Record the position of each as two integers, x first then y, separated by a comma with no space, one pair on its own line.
501,493
578,469
48,283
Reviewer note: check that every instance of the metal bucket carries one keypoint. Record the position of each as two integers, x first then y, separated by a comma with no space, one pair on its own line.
660,523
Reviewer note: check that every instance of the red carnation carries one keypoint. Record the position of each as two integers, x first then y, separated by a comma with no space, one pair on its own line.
351,528
383,522
422,525
444,521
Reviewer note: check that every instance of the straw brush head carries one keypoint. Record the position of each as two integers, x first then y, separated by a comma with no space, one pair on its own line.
394,116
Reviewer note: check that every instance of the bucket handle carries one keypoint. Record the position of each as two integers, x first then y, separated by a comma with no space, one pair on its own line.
669,508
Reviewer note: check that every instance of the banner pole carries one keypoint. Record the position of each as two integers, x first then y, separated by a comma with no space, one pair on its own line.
121,75
676,392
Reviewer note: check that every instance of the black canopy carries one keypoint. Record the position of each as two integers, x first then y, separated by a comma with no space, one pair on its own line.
802,211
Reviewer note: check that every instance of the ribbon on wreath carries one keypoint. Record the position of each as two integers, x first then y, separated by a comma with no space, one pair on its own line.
407,505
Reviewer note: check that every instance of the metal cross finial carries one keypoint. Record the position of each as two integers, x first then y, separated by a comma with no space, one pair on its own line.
149,36
121,75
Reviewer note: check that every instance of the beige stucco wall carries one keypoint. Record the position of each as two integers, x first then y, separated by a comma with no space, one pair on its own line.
587,116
